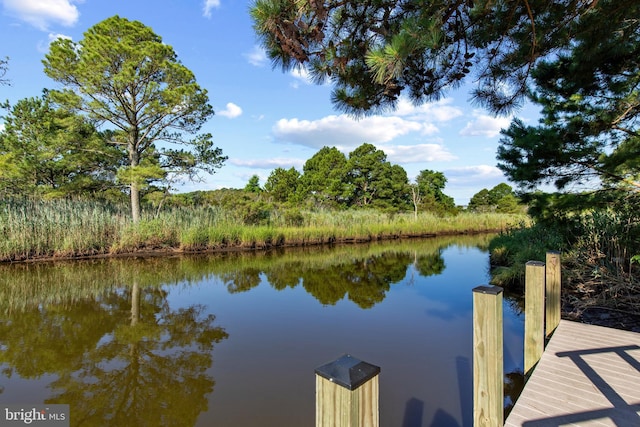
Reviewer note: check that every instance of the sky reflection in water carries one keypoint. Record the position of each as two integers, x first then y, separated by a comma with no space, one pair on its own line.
233,339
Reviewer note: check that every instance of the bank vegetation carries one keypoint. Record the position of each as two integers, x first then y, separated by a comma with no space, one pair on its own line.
38,229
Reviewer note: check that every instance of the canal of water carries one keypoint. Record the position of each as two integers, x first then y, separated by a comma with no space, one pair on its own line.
233,339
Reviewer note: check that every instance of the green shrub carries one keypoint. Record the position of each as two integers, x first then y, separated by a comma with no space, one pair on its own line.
512,249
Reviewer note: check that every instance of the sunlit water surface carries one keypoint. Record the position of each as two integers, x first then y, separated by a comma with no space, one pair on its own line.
233,339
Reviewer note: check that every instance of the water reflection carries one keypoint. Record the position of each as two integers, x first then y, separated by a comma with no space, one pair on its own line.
361,273
131,341
120,357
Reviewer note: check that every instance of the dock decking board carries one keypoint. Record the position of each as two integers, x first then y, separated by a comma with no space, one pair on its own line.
588,376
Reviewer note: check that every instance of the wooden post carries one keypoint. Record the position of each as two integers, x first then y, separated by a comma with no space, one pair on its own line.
553,276
347,394
533,314
488,368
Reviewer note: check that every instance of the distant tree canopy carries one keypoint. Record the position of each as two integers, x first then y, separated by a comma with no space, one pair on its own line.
253,186
430,185
500,198
122,74
374,51
363,179
50,152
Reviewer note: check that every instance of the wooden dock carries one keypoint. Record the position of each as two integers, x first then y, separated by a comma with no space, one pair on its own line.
587,376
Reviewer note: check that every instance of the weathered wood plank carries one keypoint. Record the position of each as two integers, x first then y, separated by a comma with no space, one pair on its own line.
587,376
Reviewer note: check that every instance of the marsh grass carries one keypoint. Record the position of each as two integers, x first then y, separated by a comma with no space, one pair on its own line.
511,250
33,229
72,228
597,249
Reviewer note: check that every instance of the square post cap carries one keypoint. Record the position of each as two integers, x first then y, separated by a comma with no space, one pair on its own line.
348,371
490,290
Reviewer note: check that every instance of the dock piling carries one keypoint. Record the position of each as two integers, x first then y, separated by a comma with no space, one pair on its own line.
553,278
488,369
534,314
347,393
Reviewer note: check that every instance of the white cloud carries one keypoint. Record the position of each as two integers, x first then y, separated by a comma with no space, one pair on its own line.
231,111
474,174
347,132
440,111
53,37
484,125
271,163
467,181
44,46
257,57
208,5
42,13
301,74
418,153
416,126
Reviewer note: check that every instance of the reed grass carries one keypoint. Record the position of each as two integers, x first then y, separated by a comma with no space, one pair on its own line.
71,228
34,229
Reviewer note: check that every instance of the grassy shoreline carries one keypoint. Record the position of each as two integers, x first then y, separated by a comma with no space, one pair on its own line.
61,229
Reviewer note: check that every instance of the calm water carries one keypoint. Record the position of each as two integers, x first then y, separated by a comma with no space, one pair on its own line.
233,340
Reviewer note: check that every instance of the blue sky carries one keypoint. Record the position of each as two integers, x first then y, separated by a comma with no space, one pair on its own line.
264,118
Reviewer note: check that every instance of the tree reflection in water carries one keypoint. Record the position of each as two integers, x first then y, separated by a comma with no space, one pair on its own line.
123,358
120,354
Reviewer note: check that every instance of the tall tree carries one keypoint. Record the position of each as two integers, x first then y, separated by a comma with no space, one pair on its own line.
481,202
374,182
365,170
253,186
589,133
398,194
323,177
282,184
431,185
499,192
121,73
373,51
50,152
500,198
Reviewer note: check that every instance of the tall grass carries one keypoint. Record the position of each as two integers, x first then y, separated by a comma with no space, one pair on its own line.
72,228
32,229
513,248
610,238
598,241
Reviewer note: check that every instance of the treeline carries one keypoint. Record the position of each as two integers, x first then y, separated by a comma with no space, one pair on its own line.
330,180
49,152
254,205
